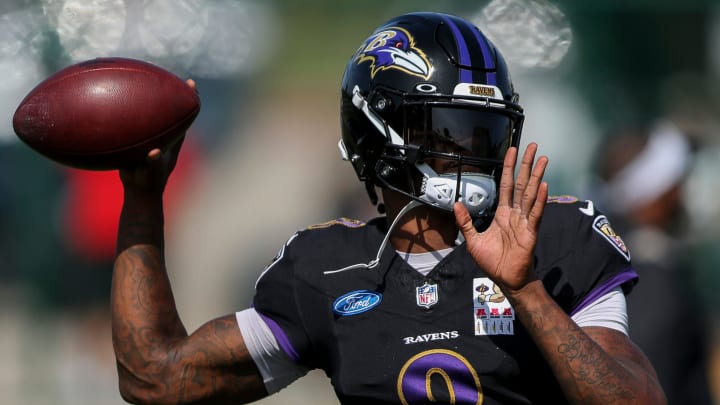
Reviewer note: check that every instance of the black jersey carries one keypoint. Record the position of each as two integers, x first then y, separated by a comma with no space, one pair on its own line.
391,335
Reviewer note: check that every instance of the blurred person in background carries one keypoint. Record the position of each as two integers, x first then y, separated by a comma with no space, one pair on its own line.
643,171
430,117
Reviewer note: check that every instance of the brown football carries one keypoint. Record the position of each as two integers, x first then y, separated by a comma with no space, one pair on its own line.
105,113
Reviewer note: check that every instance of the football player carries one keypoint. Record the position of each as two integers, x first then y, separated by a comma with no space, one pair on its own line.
474,288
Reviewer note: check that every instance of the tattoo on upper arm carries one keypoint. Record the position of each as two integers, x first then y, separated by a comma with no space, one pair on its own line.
213,360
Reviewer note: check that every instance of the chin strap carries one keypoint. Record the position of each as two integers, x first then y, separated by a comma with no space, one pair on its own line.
373,263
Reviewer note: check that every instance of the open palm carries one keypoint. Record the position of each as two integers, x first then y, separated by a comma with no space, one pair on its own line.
505,249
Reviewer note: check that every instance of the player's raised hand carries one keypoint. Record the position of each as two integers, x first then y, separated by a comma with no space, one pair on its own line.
505,249
154,173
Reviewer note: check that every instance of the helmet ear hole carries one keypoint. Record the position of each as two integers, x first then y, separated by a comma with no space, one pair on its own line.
381,104
385,170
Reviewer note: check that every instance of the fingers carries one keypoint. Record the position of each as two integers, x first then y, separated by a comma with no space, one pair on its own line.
527,192
506,179
171,150
539,206
530,193
523,177
463,220
154,155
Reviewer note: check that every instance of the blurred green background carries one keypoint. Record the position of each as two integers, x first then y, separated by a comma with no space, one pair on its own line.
261,159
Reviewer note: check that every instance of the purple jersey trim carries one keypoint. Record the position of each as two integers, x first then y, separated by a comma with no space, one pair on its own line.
605,288
282,338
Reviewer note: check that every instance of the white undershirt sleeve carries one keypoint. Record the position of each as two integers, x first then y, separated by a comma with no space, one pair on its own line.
278,370
609,311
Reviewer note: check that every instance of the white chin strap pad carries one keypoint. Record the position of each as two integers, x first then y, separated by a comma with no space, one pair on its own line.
477,191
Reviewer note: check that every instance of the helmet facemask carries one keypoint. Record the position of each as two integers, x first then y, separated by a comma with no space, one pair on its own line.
443,148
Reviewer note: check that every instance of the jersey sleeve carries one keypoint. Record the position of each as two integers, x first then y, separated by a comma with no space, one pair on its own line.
276,301
294,295
276,367
583,257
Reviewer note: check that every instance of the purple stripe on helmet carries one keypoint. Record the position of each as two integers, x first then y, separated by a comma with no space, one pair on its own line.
463,52
282,338
605,288
487,56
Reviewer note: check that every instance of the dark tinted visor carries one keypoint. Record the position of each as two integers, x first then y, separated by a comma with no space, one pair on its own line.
466,130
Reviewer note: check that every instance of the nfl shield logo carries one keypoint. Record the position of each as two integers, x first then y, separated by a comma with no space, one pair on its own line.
426,295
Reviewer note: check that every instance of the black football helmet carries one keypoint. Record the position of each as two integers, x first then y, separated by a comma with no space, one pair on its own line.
428,110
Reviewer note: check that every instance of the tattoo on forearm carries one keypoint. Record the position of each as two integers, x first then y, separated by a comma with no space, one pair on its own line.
157,359
581,358
586,362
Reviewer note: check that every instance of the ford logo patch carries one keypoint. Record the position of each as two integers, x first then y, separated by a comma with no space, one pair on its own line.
356,302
